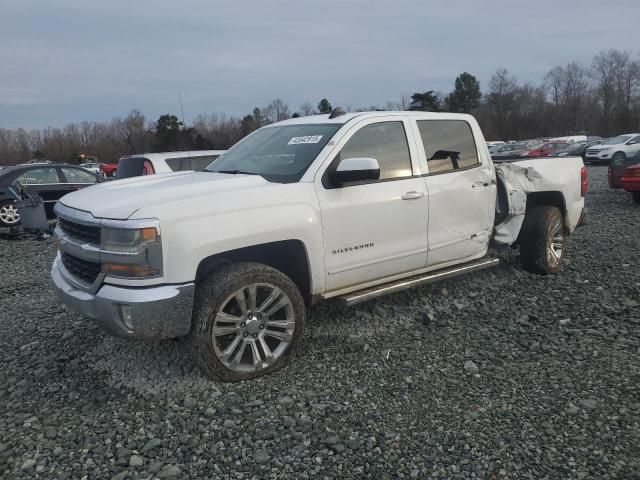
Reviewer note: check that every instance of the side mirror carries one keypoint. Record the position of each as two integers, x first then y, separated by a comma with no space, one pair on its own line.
357,169
632,142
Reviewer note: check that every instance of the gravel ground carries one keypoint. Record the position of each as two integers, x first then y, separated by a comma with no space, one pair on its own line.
500,374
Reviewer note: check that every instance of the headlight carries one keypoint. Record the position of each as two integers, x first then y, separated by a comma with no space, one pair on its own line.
131,252
127,240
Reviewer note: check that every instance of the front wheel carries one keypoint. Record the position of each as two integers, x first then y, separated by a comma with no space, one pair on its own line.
542,240
618,159
635,197
247,320
9,216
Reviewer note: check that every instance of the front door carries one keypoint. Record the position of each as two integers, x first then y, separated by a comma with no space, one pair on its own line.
46,183
377,228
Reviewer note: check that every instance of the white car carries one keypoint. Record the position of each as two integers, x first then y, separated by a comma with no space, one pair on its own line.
348,206
93,168
616,150
165,162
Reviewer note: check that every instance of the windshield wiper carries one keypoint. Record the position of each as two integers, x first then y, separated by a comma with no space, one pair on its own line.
234,172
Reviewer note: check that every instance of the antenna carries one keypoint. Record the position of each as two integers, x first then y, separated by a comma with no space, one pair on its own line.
184,124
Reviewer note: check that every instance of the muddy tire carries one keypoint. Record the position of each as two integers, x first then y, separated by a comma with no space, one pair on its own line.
542,240
248,318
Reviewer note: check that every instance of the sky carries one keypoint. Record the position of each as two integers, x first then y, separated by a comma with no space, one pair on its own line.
74,60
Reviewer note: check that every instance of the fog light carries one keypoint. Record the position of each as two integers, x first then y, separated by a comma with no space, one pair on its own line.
125,315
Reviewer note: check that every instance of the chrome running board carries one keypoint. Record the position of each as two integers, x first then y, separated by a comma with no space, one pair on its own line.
360,296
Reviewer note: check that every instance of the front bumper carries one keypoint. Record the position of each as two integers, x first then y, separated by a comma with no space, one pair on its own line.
148,313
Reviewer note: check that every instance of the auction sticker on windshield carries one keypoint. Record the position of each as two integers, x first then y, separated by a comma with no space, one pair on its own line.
307,139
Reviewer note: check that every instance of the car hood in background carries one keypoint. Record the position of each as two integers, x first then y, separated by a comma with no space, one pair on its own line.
122,198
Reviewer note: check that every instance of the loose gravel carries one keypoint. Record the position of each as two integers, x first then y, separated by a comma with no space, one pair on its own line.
499,374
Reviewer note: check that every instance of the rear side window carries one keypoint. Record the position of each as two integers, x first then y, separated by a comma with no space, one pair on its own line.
448,145
384,141
131,167
175,164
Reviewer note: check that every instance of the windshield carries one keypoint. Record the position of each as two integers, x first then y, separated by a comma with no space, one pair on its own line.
279,154
617,140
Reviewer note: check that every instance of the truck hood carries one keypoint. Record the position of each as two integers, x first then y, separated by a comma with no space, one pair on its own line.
122,198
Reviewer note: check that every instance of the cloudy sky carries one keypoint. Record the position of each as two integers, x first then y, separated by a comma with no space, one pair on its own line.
74,60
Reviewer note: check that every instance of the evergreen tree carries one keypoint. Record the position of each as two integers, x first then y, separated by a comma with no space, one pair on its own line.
465,97
426,102
324,106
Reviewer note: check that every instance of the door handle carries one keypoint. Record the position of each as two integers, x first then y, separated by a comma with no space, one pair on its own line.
413,195
480,184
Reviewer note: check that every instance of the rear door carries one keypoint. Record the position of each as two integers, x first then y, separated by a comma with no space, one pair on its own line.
377,228
461,189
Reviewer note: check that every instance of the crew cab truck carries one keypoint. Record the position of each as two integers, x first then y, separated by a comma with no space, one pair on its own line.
347,205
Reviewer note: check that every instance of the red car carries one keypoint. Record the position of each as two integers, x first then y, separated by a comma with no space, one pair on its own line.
617,168
109,169
631,182
547,147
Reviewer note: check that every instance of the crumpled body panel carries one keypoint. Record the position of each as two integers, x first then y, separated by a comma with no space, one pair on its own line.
517,181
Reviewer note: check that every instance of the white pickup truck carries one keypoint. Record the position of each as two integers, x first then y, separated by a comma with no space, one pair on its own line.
346,205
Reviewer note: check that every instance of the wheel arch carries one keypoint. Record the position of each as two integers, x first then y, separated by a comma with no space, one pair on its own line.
288,256
550,198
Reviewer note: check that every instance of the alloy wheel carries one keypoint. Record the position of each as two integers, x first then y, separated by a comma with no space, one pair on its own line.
253,328
555,245
9,214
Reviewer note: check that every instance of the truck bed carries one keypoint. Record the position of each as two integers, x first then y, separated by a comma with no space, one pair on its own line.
522,180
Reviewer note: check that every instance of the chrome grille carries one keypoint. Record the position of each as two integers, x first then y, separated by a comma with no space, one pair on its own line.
593,151
84,233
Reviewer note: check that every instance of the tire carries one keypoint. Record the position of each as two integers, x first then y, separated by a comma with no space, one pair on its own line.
635,197
542,240
271,325
9,216
618,158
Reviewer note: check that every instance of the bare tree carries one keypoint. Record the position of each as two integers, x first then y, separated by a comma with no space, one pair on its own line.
276,111
307,109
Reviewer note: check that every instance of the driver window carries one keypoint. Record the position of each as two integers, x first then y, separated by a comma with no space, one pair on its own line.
384,141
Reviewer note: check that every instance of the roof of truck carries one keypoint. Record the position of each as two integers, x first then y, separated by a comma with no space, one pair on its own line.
344,118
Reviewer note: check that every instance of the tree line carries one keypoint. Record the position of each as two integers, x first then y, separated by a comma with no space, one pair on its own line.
602,99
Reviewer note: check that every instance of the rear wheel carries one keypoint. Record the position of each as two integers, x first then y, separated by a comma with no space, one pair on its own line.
635,197
9,215
248,319
542,240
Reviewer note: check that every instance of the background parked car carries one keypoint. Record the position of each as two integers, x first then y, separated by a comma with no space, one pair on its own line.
50,181
92,167
38,161
165,162
510,150
547,147
631,182
109,169
570,150
618,167
620,147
